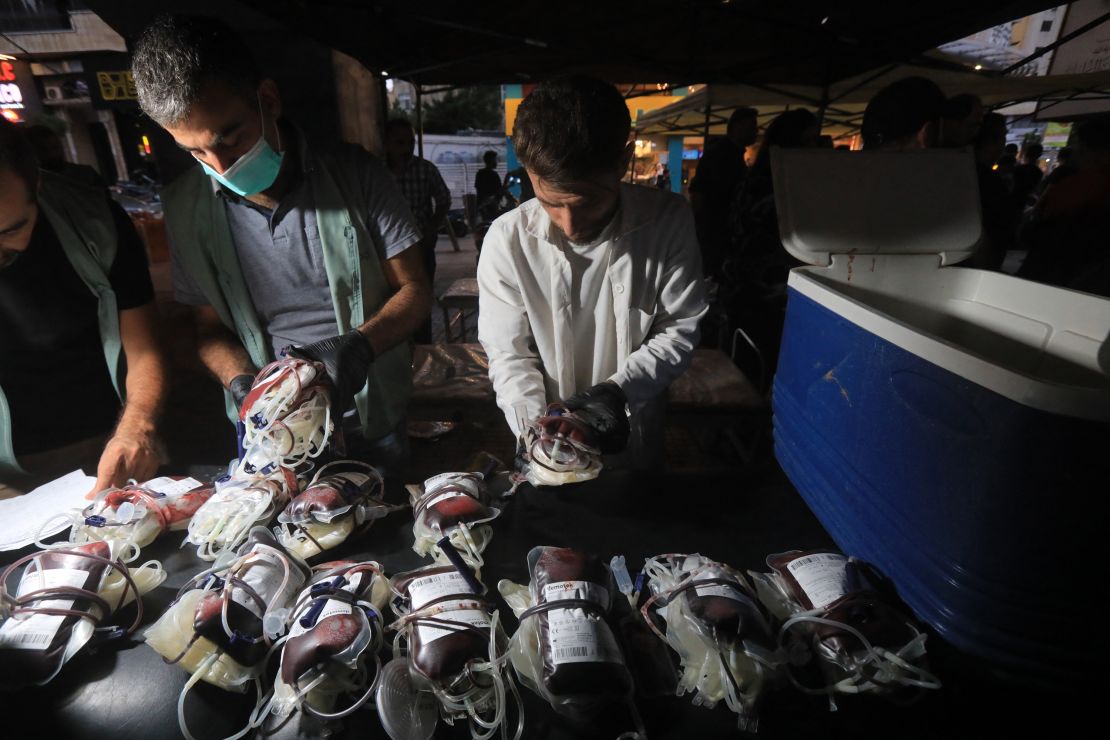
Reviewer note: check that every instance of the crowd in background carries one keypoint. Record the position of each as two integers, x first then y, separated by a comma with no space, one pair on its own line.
1049,227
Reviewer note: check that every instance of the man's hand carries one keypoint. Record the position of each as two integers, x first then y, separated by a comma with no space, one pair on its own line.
127,455
602,409
347,359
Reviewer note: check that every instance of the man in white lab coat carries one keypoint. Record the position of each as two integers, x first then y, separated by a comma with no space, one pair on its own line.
591,293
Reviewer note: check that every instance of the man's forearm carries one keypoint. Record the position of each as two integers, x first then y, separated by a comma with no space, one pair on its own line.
145,384
222,352
146,389
401,315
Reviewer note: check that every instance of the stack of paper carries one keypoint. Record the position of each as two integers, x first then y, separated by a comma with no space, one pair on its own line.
22,518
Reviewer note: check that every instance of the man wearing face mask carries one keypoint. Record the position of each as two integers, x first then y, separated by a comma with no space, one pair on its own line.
278,242
591,293
81,374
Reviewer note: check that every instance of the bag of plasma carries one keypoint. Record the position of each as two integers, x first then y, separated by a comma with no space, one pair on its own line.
712,619
225,621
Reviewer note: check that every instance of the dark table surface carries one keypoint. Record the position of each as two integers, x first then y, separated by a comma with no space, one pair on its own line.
125,690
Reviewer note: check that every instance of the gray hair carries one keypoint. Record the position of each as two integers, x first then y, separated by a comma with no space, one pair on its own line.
177,55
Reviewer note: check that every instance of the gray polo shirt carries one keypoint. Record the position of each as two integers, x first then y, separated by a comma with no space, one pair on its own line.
281,257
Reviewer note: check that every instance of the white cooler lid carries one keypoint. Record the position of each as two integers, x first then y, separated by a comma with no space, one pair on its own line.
838,202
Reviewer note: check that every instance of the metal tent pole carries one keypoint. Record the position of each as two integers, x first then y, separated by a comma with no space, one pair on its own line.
419,122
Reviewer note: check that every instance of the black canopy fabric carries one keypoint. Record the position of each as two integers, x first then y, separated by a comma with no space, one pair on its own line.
437,42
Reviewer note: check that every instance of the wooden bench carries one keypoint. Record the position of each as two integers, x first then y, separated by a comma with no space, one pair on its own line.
713,385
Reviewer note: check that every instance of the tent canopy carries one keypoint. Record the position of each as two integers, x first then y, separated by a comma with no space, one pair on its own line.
845,100
496,41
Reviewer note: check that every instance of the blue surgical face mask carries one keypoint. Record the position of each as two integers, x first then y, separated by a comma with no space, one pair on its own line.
253,172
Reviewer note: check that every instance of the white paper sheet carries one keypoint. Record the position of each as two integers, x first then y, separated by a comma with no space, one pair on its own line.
22,517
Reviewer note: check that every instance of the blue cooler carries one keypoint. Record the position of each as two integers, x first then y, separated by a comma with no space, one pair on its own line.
949,425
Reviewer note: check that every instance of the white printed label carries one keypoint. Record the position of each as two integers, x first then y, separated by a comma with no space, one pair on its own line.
444,497
724,591
465,480
822,576
171,487
474,617
575,635
427,589
37,631
264,573
359,479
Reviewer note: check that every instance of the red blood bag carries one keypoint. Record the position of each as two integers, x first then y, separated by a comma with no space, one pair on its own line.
831,605
565,649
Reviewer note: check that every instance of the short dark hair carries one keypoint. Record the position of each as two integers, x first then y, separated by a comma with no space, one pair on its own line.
786,130
742,114
901,109
1034,149
397,123
17,155
571,128
1010,148
959,107
177,55
488,155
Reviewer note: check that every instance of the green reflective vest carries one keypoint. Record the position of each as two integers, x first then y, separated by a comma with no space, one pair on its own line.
83,222
202,242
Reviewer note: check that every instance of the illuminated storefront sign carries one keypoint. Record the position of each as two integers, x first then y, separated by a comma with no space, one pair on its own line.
18,99
116,86
111,85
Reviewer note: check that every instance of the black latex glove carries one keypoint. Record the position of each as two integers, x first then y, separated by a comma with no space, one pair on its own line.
347,359
240,387
603,410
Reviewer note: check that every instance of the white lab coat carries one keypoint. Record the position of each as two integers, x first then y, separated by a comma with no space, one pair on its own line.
525,314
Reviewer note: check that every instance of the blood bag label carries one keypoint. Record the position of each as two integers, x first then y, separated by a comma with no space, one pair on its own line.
427,589
37,631
443,497
359,479
474,617
724,591
265,573
822,577
170,487
459,479
575,635
351,486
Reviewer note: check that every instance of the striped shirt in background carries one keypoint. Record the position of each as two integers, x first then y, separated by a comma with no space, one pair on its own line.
424,189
